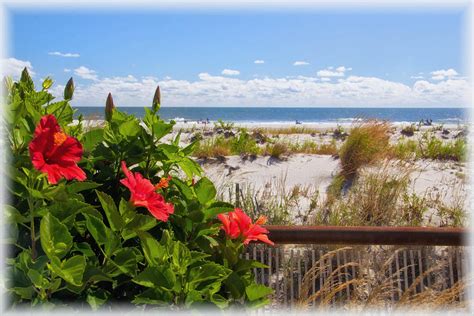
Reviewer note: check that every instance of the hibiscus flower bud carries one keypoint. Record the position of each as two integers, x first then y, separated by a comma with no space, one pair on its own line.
25,75
47,83
26,78
156,99
109,107
69,90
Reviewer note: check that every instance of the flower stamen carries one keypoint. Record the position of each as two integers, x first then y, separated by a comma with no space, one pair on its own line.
59,138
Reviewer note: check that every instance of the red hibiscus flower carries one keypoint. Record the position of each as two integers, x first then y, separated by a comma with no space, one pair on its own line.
144,194
55,153
238,224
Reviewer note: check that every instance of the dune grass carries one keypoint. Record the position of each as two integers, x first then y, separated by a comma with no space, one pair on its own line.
245,144
374,199
367,143
351,287
430,147
212,147
288,130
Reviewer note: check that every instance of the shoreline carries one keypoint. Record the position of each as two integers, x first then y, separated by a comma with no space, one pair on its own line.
322,126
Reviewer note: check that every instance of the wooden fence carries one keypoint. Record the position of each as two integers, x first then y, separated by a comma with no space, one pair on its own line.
311,266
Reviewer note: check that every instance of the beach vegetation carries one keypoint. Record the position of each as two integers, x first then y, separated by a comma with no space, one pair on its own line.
409,130
288,130
276,149
367,143
244,144
350,286
224,126
311,147
372,200
431,147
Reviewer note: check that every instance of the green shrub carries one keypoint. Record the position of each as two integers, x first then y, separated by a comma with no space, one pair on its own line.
244,144
431,147
107,235
225,126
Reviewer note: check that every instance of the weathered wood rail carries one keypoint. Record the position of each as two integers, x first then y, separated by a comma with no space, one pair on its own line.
368,235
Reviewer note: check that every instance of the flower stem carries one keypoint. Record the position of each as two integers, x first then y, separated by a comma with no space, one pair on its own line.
32,228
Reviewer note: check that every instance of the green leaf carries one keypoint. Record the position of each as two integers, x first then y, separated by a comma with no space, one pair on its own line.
126,260
155,253
156,277
79,186
206,272
205,190
257,291
192,297
94,274
125,207
218,208
259,303
139,222
190,167
24,292
129,128
245,264
65,211
36,278
196,216
113,216
161,129
12,215
183,188
84,248
55,237
236,285
97,298
154,296
91,138
70,270
97,229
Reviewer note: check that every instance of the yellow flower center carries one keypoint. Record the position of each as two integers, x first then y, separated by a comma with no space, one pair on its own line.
59,138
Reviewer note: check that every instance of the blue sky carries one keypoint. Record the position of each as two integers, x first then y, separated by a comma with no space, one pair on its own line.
312,58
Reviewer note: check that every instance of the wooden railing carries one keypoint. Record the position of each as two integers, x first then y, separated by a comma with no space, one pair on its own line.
368,235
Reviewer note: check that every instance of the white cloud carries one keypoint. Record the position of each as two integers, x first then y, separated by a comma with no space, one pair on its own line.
67,70
69,55
416,77
443,74
343,69
259,61
85,73
212,90
329,72
300,63
230,72
13,67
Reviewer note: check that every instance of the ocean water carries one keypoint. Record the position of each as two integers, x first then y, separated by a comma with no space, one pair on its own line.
291,115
